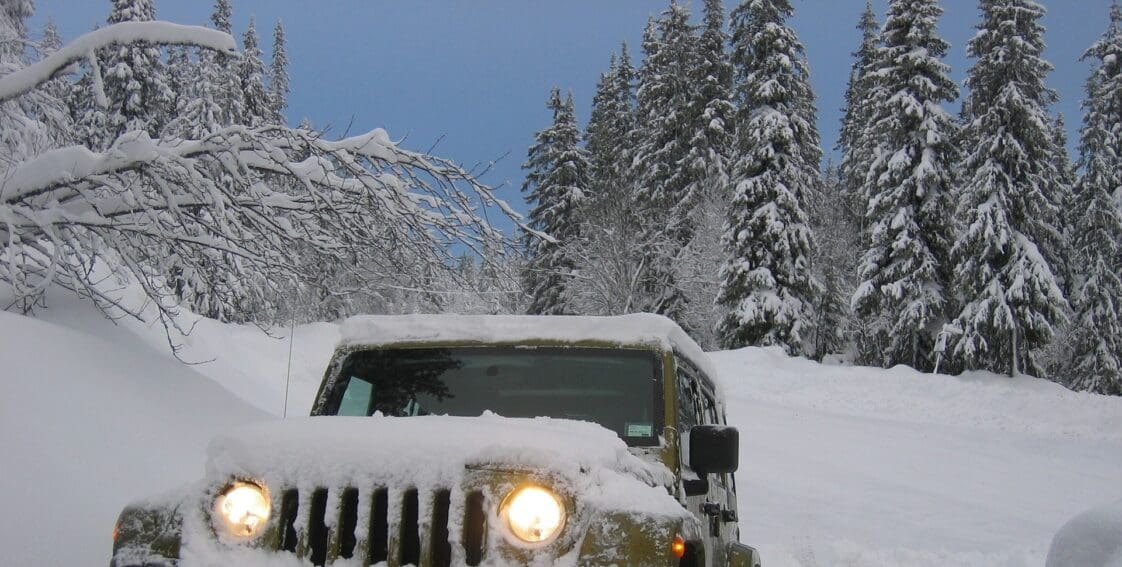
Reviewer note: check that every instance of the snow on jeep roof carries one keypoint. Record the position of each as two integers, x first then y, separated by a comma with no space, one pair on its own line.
639,328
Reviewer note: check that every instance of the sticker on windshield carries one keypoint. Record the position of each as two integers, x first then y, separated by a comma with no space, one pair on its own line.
639,429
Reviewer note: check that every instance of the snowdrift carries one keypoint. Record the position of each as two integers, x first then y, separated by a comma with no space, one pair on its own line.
88,423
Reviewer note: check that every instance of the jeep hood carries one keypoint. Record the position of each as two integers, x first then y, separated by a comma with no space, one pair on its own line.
435,451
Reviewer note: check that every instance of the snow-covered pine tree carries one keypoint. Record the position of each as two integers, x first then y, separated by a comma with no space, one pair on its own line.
278,76
257,105
834,263
1005,276
707,168
58,87
609,256
1096,336
767,289
40,121
707,158
182,79
556,182
221,70
857,151
904,294
136,83
664,95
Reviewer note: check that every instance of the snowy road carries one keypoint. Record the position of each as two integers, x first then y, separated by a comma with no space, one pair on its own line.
818,487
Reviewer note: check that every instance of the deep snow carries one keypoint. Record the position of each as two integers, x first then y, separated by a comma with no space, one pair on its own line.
841,466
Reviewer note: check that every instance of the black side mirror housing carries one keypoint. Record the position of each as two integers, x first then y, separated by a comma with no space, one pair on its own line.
714,449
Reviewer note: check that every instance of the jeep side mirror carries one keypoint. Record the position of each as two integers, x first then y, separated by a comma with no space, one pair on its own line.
714,449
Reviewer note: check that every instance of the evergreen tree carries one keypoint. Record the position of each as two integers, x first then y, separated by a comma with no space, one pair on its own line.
707,168
1097,330
135,80
38,121
182,79
906,267
257,104
767,289
856,147
663,98
278,76
609,257
556,181
222,72
834,263
707,160
1011,295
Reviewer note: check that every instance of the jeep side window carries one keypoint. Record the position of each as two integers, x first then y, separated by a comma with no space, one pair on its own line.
687,404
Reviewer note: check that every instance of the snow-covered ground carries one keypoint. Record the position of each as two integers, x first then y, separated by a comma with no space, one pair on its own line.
850,466
841,466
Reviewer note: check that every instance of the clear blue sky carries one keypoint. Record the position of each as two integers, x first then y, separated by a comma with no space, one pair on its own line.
477,73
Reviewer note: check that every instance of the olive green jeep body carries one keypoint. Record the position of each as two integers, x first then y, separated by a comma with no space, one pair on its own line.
658,490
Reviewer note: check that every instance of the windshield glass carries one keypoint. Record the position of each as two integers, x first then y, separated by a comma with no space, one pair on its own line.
619,389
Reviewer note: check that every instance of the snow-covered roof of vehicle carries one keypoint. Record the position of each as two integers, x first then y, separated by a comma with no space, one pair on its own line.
634,329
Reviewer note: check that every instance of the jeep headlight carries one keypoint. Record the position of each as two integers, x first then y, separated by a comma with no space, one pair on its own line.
533,514
243,509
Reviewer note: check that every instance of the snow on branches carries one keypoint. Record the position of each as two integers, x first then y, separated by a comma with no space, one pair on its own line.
269,203
84,47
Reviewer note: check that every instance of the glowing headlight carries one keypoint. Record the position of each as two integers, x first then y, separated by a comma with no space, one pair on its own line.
533,514
243,508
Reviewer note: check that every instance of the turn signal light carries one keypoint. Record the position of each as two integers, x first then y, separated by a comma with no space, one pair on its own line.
678,548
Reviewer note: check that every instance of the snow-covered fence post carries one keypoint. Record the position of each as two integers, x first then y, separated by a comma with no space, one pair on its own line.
941,343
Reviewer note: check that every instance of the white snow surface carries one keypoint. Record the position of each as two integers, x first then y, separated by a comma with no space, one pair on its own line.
1091,539
840,466
852,466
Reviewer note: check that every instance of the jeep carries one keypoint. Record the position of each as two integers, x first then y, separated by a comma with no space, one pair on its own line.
440,440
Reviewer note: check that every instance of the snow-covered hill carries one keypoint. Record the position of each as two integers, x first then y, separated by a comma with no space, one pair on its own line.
841,466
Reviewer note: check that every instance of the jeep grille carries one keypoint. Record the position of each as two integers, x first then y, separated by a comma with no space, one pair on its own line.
398,527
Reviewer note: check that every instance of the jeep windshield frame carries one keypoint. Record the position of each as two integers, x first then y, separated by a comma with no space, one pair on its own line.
620,389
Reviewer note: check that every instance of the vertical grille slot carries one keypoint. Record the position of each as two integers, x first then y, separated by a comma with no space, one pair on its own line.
290,506
475,523
317,527
348,520
410,530
379,537
441,548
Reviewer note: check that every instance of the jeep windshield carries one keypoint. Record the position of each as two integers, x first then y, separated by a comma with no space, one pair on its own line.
619,389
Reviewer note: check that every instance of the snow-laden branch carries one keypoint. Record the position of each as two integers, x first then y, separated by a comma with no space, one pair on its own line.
270,202
84,47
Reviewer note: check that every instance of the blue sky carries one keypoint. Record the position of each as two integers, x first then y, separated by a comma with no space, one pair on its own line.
475,74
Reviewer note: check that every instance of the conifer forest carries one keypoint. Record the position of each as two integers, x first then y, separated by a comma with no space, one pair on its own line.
952,231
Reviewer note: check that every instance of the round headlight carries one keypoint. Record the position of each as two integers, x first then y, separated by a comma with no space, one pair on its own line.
243,508
533,514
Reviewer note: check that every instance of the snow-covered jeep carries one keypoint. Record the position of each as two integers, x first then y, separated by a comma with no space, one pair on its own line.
462,440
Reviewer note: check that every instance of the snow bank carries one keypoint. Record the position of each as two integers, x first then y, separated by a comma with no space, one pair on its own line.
1091,539
89,421
977,400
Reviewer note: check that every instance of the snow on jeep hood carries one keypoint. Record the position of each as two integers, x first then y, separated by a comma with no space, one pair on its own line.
434,451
